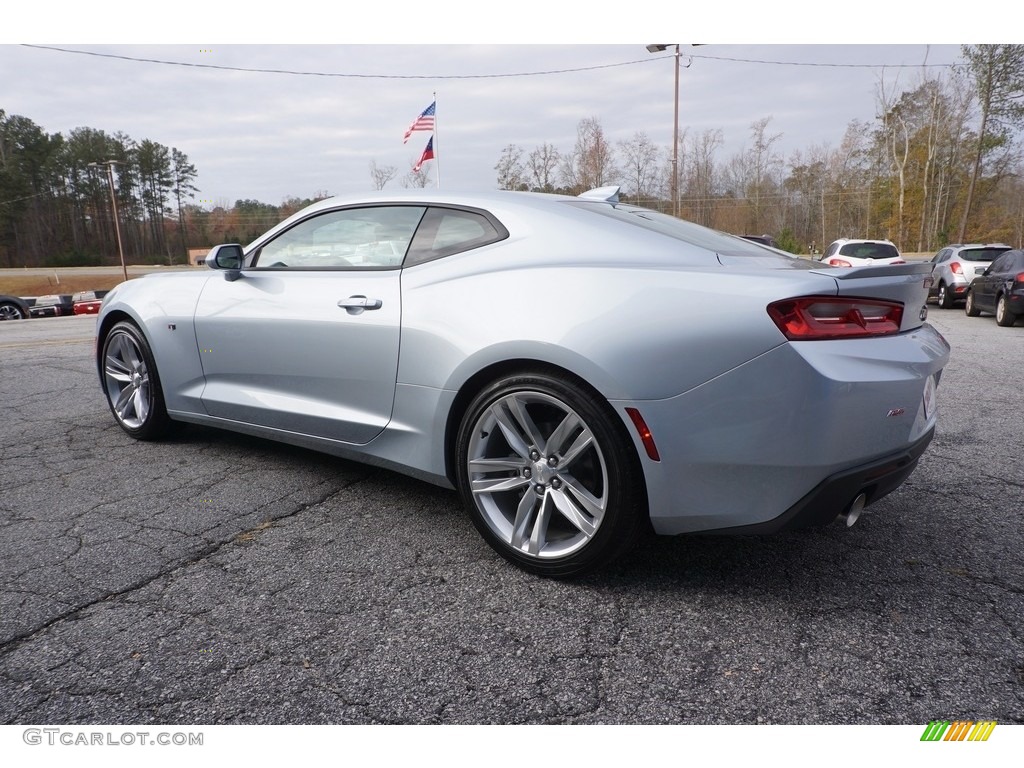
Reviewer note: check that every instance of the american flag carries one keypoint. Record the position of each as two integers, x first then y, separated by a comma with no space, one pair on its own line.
428,153
425,122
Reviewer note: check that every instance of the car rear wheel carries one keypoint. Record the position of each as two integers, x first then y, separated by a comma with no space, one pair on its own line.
1004,316
945,299
9,311
969,308
549,476
131,383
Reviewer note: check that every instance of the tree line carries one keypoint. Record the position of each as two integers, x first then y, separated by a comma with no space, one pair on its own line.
939,163
55,196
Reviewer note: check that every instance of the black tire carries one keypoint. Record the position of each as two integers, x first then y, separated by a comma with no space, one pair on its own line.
132,384
1004,316
10,311
945,298
969,308
560,509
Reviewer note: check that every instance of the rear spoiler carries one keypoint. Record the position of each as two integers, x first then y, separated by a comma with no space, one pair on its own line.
882,270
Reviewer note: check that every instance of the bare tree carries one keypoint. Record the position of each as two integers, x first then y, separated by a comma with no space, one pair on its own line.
640,156
766,167
591,163
542,164
381,174
702,176
511,172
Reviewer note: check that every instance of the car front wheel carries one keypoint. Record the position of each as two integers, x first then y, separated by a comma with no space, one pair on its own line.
10,311
131,383
549,476
1004,316
969,308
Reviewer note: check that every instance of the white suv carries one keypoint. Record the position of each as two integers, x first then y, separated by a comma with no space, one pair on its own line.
858,253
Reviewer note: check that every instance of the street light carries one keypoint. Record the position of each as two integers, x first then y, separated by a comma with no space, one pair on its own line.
113,203
674,183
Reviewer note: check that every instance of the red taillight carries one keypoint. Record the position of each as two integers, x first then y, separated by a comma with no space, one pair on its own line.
955,268
838,263
812,318
1019,278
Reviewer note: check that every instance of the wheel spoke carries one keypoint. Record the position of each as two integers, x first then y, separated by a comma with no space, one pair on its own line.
142,403
583,441
124,401
590,503
116,370
130,354
571,512
516,425
524,514
538,536
494,485
504,482
562,433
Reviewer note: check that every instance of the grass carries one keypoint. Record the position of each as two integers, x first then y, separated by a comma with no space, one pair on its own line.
60,280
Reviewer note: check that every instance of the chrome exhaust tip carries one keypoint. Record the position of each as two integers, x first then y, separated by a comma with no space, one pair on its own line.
852,513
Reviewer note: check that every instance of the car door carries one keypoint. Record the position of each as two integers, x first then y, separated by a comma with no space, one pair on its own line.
306,339
985,286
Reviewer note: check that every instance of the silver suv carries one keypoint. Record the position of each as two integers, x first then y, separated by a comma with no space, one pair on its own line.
956,265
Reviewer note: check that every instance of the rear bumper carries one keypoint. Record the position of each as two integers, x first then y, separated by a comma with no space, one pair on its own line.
835,494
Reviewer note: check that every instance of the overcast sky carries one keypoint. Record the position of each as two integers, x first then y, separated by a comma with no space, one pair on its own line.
268,136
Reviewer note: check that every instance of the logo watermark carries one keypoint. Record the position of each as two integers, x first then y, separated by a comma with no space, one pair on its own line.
958,730
70,737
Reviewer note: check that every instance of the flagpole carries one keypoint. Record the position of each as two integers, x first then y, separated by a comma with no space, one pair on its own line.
437,153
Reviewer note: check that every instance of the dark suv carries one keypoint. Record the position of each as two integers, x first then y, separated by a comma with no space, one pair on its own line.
954,268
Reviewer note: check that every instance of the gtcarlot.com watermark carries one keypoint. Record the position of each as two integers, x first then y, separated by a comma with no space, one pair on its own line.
71,737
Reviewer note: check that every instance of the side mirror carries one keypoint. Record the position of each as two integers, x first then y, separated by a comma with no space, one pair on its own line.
228,257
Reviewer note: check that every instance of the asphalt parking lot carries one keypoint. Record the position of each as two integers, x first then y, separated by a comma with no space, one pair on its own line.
218,578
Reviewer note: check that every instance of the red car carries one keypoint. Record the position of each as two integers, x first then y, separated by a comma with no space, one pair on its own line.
88,302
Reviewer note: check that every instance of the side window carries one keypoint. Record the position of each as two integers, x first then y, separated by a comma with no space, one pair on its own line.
446,231
352,238
1001,264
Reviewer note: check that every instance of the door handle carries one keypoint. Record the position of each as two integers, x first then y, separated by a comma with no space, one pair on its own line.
354,305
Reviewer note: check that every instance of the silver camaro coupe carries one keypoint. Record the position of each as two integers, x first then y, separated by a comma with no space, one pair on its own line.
580,369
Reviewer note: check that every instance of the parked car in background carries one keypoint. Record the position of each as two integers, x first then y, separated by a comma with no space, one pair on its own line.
860,253
956,266
579,368
13,308
999,289
53,305
88,302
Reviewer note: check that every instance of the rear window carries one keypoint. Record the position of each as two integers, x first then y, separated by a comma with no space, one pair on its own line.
680,229
870,251
981,254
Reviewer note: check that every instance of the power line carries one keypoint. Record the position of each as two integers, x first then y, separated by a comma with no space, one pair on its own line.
357,75
369,76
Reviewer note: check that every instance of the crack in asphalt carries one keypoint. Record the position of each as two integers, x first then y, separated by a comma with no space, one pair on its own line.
205,552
